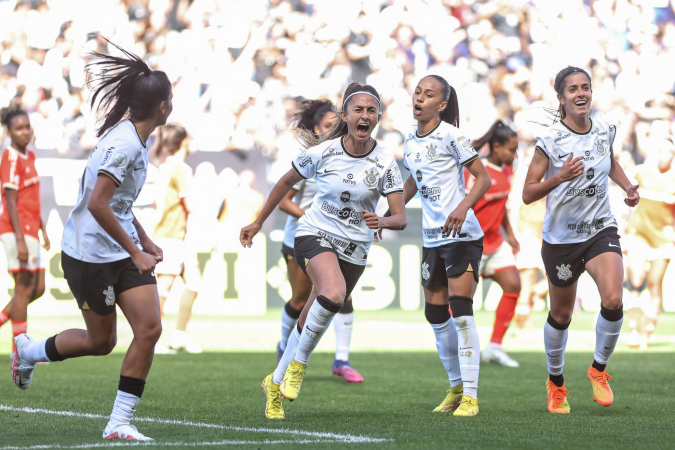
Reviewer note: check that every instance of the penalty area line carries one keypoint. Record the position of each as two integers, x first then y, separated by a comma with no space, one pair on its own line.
169,444
349,438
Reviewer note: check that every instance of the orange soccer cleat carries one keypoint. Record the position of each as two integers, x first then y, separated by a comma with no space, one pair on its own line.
602,393
557,398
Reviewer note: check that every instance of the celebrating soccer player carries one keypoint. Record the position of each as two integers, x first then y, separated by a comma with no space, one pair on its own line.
575,158
498,261
334,235
107,258
435,152
315,117
20,220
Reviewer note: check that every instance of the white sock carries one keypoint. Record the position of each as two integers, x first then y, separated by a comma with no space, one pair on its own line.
289,354
35,351
555,341
343,335
123,409
318,320
606,336
287,325
446,343
469,353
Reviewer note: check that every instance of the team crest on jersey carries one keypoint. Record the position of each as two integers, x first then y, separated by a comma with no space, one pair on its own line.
109,296
370,179
432,154
425,271
564,272
601,146
119,159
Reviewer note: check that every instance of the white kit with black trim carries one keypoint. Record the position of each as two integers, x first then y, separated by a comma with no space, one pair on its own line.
304,197
436,162
347,184
122,156
578,209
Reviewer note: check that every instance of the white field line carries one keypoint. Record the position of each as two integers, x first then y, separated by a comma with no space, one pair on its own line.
315,434
167,444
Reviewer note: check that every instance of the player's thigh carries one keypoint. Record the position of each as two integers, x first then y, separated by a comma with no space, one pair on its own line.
301,286
508,280
25,281
604,264
436,295
101,329
324,272
164,283
657,272
140,306
463,285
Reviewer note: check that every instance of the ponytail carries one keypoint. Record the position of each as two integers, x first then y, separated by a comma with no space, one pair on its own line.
128,87
451,112
499,132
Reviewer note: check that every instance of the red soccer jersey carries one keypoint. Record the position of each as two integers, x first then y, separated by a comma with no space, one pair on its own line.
17,171
491,208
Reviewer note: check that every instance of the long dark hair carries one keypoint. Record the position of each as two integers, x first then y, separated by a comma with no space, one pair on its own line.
309,114
559,86
451,112
129,87
499,132
9,113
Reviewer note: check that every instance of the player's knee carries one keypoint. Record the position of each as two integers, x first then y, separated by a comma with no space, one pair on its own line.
37,293
152,332
562,317
335,294
103,346
612,300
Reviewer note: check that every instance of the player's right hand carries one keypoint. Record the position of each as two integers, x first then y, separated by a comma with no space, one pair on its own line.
247,233
378,235
22,251
145,262
571,168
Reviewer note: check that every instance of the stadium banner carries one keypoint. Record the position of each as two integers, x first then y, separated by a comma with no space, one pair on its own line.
247,281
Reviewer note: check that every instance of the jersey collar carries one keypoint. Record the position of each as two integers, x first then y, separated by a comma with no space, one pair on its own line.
494,166
427,134
22,155
347,152
576,132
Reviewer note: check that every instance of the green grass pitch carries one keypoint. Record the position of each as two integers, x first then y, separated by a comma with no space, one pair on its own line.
394,404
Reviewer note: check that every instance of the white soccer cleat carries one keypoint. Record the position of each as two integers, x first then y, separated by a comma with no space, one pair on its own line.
22,369
163,350
180,340
494,353
124,432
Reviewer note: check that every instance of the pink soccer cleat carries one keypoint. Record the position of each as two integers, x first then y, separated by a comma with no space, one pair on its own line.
343,369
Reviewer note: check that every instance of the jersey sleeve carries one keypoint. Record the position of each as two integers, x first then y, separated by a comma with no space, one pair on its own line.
116,160
611,134
462,150
307,162
9,176
541,147
391,182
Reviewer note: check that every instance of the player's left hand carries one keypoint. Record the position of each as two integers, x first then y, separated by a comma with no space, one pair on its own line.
632,195
151,248
378,235
47,245
455,221
371,219
513,242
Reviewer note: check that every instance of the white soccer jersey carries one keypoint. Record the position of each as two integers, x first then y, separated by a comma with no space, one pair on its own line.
306,192
436,161
122,156
346,185
578,209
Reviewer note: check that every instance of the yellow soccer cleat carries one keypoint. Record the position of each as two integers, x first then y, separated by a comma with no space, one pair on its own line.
557,398
273,408
292,382
602,393
468,407
452,400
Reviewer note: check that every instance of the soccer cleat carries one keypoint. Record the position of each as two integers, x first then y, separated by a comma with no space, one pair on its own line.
452,400
163,350
180,340
468,407
292,382
280,352
22,369
557,398
273,407
602,393
495,353
344,369
124,432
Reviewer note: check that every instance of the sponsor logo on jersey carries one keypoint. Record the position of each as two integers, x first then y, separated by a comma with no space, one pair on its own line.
432,154
375,161
561,136
352,216
588,192
600,224
601,146
431,193
349,180
324,243
109,296
425,271
433,233
455,150
119,207
370,179
595,130
332,152
590,173
305,162
417,157
106,155
345,196
464,142
119,159
438,136
350,249
418,175
335,241
587,156
564,272
392,178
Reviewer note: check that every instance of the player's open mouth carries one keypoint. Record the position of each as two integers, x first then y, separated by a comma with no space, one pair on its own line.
581,103
417,110
362,129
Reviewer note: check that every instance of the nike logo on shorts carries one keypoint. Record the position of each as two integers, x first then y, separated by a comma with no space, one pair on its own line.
448,267
610,244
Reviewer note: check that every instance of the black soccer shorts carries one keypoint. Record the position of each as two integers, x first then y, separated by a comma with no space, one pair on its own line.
450,260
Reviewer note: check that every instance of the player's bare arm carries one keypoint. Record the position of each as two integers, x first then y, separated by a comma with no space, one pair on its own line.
617,175
278,192
11,196
47,245
398,219
510,235
536,189
456,218
288,206
146,242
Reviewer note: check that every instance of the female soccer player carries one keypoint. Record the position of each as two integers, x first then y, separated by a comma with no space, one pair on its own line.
651,238
107,257
20,219
352,171
317,117
435,152
575,157
498,261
